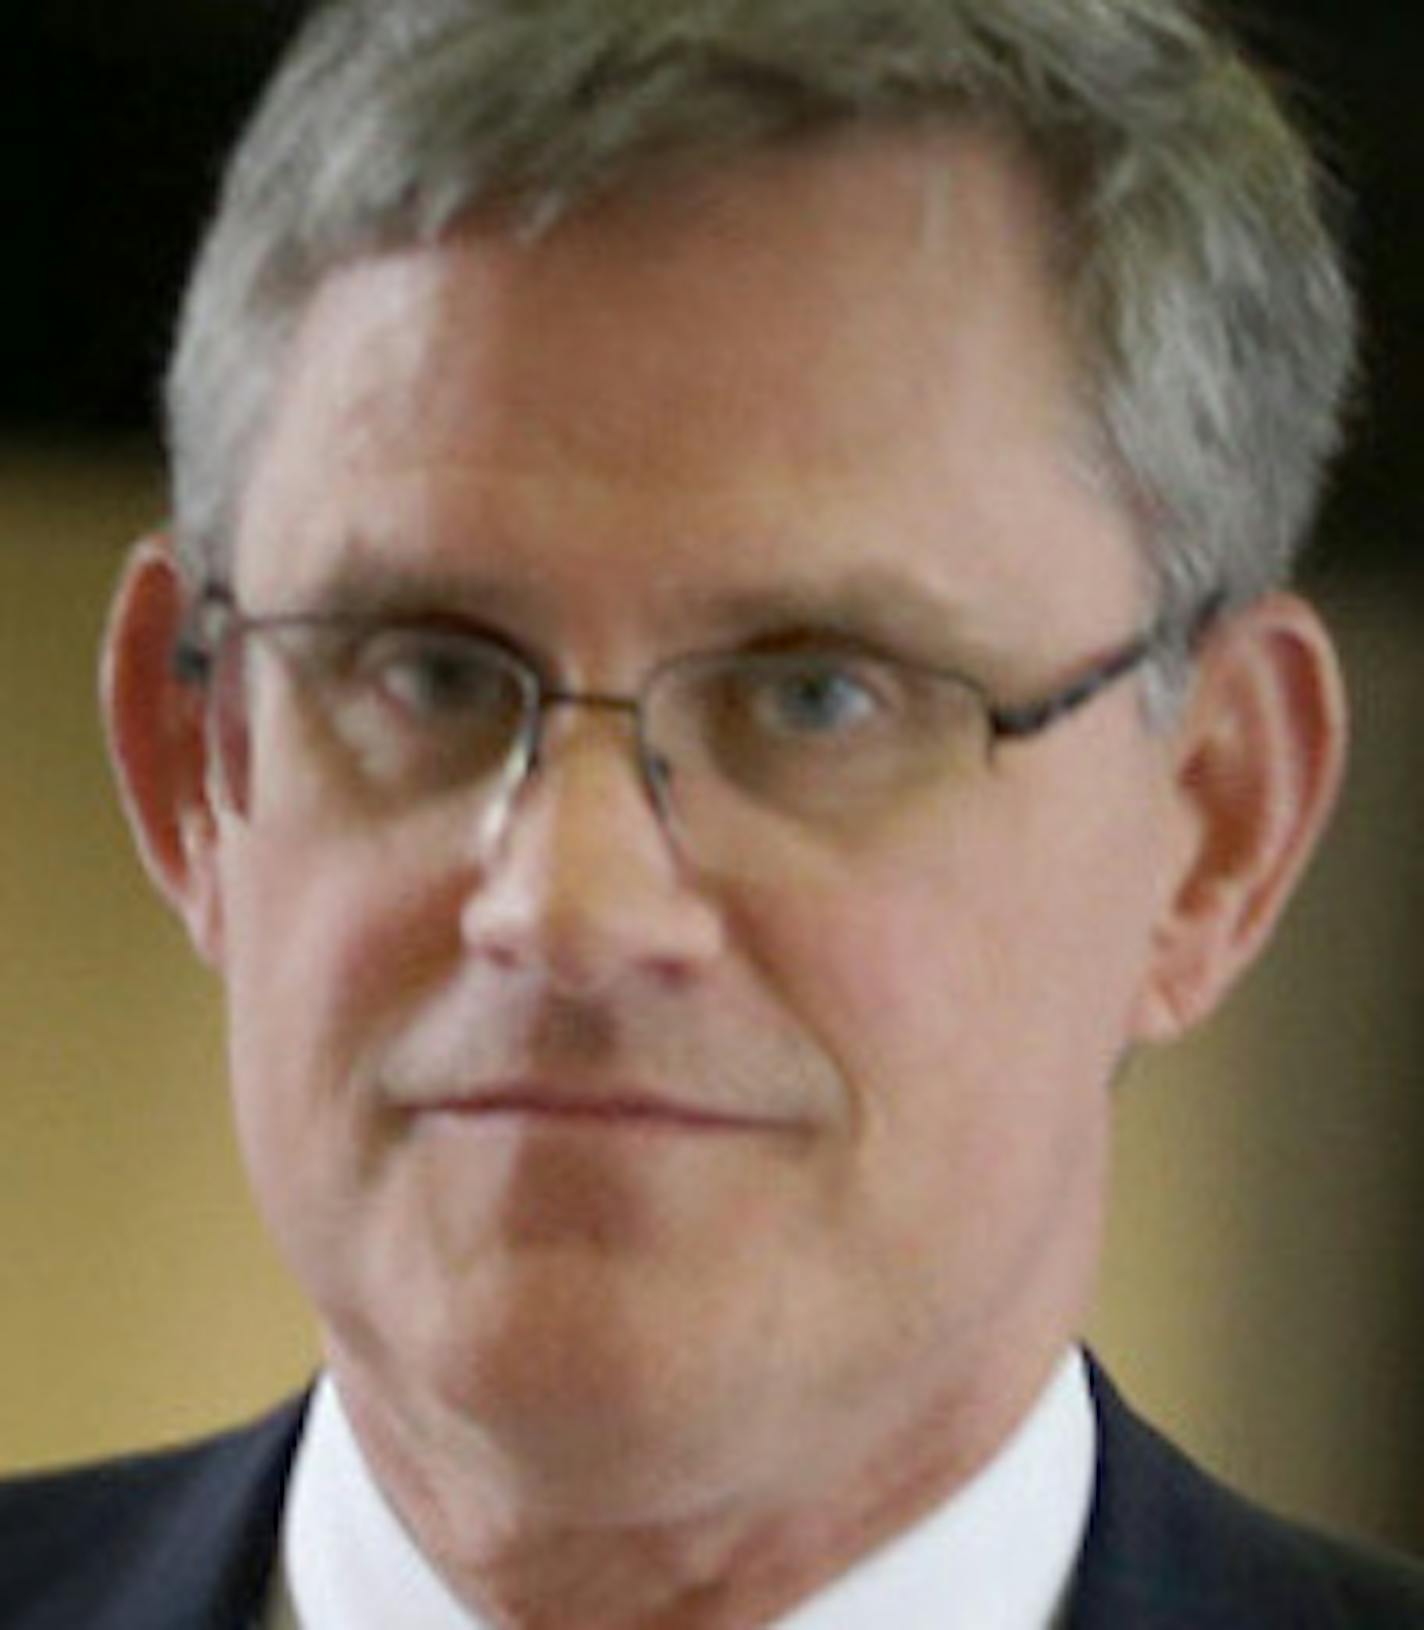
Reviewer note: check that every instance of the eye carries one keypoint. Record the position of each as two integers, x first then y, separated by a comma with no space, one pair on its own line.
810,696
434,676
415,709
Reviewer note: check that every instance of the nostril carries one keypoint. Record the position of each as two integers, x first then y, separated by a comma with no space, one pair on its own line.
504,955
659,772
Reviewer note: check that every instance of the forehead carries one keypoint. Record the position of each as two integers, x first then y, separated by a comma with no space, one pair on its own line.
813,359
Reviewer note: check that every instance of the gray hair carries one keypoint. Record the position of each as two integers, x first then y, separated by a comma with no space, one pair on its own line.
1210,312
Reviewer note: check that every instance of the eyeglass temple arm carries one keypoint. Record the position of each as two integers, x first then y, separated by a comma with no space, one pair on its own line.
1028,719
191,660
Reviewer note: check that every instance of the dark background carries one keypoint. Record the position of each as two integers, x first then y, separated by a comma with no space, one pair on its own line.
118,112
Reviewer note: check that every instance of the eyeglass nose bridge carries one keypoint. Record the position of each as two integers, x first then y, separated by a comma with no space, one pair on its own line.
654,771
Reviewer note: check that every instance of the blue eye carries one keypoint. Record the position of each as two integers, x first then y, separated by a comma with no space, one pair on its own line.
811,696
433,676
416,709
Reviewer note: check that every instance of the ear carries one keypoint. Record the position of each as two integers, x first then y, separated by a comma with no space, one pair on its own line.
1256,766
157,739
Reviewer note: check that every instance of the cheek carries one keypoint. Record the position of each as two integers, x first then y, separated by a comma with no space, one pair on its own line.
975,995
329,935
966,976
974,1057
325,948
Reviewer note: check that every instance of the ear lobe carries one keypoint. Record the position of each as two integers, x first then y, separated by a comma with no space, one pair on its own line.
1257,768
154,723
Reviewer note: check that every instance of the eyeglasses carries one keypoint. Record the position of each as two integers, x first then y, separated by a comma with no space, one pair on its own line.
824,735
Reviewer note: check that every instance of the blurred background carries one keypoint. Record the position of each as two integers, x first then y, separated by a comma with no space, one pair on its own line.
1264,1295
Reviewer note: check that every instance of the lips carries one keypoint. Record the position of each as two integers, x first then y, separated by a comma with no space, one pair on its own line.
591,1106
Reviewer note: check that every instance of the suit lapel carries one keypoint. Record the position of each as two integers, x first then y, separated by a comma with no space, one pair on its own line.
1168,1548
1134,1573
212,1562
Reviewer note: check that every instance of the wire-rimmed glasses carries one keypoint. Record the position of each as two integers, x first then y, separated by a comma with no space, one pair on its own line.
823,734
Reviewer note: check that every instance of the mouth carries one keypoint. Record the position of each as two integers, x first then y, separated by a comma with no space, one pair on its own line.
594,1110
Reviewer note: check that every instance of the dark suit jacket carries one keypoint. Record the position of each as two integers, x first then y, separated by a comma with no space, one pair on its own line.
185,1541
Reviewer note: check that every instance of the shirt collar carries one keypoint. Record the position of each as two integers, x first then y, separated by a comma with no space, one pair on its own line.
999,1555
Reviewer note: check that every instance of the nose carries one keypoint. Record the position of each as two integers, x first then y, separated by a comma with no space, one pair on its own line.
584,887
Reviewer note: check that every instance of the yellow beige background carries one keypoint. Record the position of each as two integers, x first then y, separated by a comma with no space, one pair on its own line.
1263,1291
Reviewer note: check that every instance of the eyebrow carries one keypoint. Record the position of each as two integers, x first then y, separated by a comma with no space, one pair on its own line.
878,605
365,585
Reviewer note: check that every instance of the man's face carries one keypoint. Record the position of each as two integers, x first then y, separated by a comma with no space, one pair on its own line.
825,390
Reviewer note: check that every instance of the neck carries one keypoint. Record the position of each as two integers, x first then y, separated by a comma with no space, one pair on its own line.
615,1559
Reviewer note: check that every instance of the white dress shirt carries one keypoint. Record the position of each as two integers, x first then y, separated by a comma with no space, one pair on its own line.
999,1555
